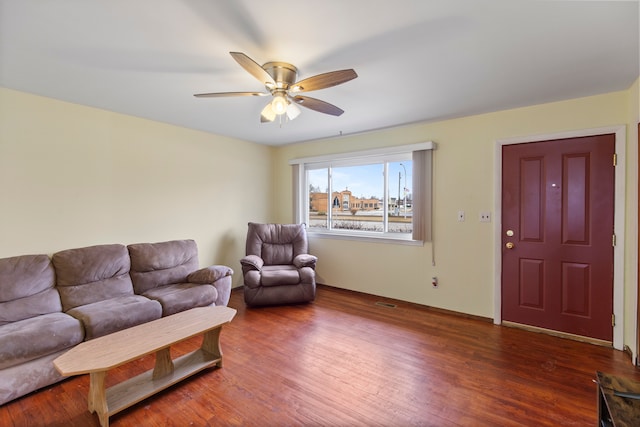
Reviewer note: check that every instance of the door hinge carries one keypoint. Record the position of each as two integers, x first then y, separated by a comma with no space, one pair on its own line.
613,320
613,240
615,159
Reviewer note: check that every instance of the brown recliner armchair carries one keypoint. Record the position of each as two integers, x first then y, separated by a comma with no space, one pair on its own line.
277,268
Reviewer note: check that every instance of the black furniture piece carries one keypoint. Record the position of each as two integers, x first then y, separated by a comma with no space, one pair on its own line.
618,401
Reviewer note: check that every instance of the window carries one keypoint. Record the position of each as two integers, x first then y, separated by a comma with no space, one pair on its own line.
375,194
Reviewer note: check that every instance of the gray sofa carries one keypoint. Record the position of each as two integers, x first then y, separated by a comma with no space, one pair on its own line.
50,304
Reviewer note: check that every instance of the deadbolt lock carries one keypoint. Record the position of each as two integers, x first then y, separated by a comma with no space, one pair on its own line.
510,233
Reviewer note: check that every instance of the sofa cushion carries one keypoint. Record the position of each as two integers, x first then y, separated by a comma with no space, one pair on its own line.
164,263
92,274
27,288
37,336
45,302
276,275
25,275
112,315
182,296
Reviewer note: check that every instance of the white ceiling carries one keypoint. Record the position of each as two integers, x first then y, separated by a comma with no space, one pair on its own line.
417,60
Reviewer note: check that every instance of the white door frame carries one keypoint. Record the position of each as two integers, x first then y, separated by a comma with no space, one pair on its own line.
619,219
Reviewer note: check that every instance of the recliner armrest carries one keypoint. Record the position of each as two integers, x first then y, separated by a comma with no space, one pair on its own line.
253,262
209,274
305,260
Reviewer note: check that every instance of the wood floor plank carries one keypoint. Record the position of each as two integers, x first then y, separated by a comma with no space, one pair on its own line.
345,360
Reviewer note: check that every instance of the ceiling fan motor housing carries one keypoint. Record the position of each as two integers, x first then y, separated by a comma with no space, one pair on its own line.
283,73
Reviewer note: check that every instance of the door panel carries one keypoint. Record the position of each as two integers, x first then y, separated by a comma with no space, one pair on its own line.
558,199
531,218
531,283
575,200
576,288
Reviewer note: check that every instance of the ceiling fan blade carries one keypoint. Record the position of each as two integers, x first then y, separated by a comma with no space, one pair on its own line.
224,94
253,68
317,105
322,81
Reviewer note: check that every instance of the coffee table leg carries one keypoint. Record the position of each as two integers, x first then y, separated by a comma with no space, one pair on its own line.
98,396
164,364
211,344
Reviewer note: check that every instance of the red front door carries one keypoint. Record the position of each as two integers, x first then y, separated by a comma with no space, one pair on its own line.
557,231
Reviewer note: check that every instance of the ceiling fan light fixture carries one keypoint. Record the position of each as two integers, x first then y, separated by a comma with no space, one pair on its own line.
279,104
267,114
292,111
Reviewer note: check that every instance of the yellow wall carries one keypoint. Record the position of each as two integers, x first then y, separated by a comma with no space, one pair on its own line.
464,180
73,176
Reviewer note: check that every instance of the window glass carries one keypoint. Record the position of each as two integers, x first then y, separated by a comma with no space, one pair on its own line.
353,197
380,194
358,195
318,187
400,197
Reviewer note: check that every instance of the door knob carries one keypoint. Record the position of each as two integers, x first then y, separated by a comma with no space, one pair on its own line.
509,245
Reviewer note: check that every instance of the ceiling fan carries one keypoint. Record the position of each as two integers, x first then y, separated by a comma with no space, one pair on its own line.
279,78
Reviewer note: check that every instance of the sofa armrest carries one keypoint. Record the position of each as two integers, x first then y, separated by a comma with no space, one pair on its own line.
252,262
209,274
305,260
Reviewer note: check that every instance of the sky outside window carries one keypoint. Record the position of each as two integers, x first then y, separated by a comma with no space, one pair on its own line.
365,181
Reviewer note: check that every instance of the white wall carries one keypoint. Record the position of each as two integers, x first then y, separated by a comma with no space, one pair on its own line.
73,176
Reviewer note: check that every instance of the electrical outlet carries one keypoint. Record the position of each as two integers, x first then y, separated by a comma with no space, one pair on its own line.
460,216
485,216
434,281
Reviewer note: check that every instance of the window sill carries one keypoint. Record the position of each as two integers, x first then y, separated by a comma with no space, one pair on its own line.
365,237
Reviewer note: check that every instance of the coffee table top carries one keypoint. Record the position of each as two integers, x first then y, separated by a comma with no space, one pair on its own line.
120,347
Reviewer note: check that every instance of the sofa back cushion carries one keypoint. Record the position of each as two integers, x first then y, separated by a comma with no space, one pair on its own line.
27,288
164,263
276,244
92,274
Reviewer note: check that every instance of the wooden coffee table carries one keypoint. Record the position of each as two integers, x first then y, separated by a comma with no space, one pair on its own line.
97,356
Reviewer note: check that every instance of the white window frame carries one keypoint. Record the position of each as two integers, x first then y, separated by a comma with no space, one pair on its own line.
381,155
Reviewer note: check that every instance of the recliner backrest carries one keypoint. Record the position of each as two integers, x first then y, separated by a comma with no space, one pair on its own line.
92,274
277,244
163,263
27,288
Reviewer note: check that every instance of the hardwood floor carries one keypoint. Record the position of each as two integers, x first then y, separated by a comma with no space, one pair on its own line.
346,361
